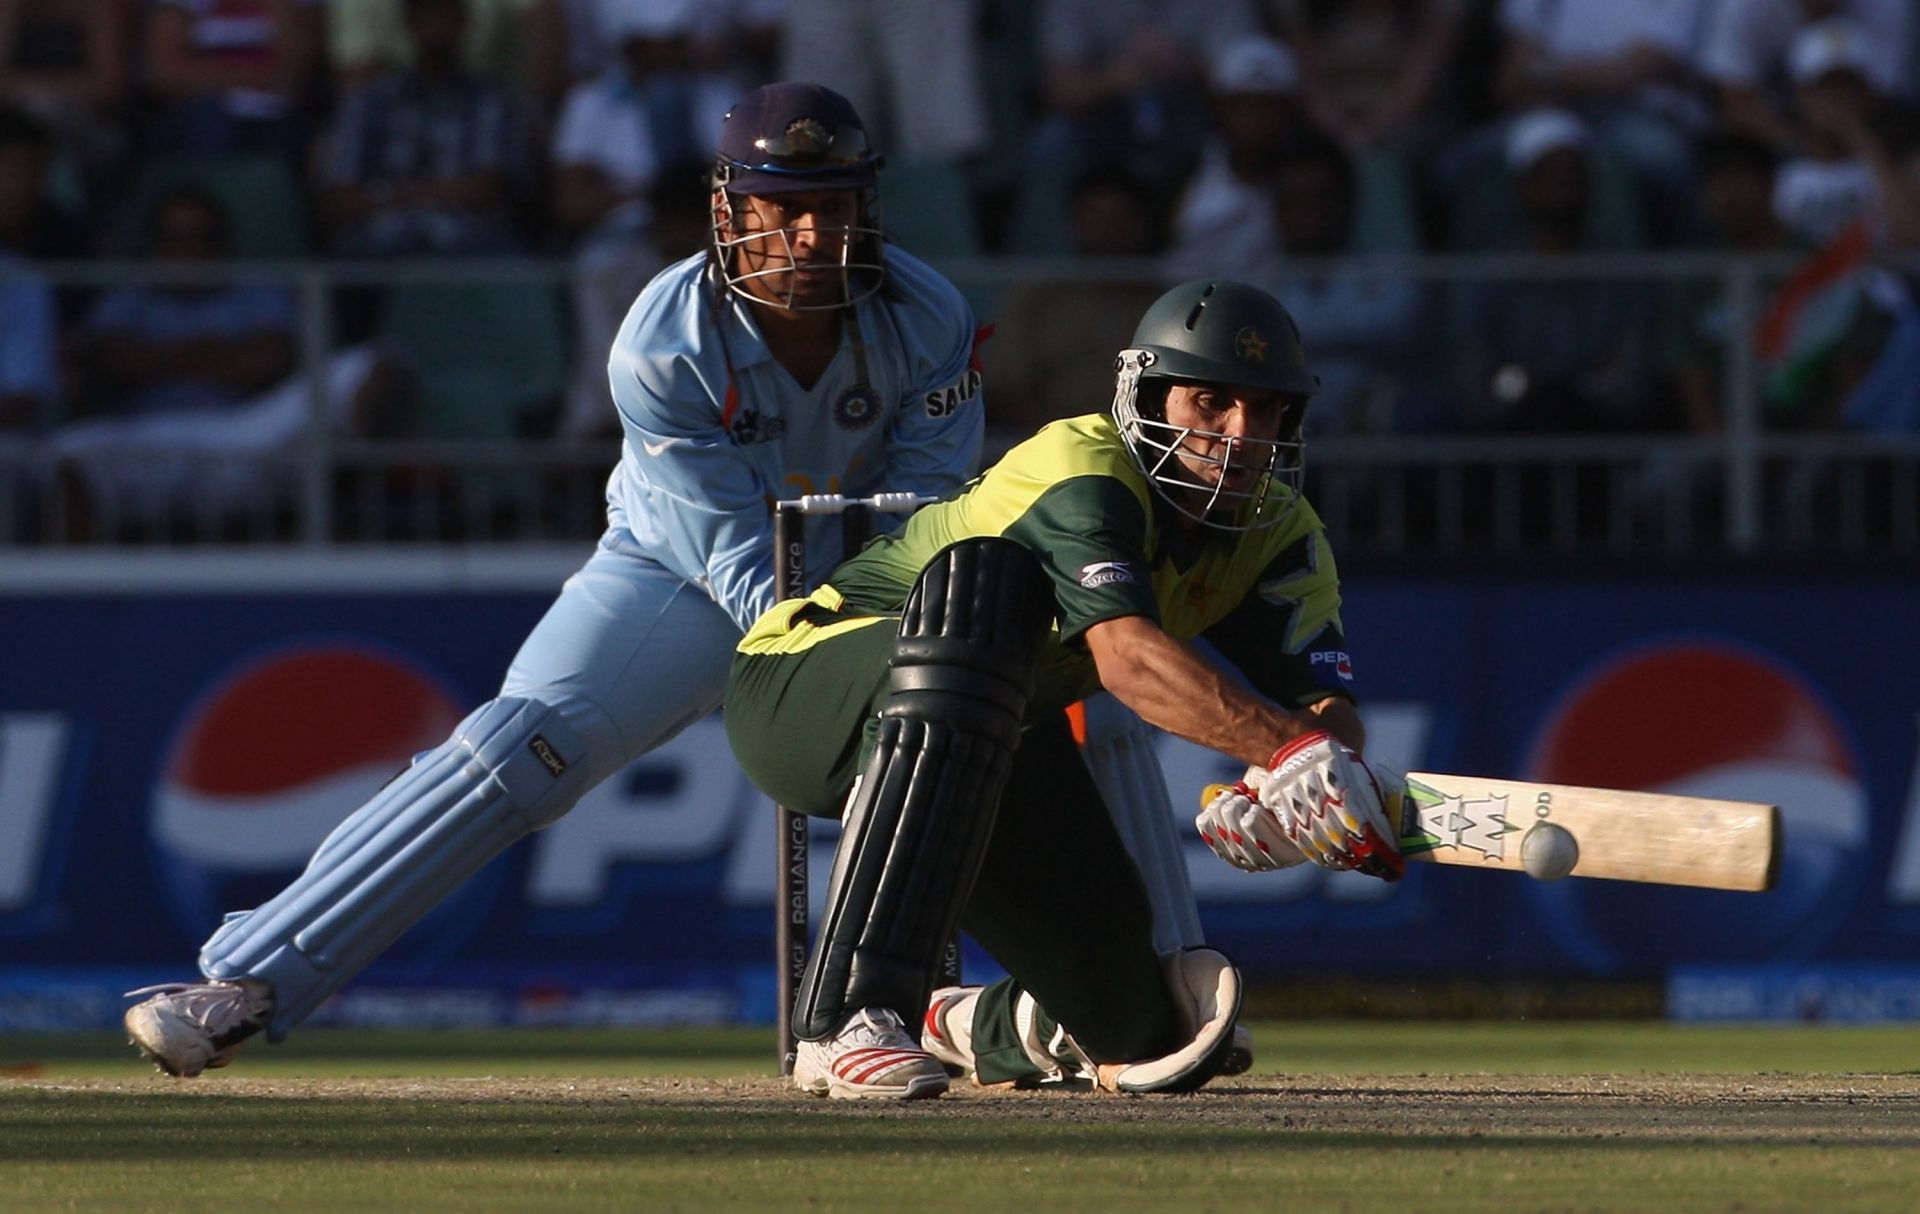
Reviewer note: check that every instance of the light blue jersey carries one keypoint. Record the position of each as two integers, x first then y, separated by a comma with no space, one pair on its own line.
716,430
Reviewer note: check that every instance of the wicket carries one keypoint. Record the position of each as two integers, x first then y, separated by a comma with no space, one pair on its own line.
791,888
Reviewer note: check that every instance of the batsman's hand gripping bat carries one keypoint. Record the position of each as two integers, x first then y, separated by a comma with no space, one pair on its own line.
1659,838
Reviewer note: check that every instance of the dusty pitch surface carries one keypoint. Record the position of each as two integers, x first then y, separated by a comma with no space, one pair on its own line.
1861,1109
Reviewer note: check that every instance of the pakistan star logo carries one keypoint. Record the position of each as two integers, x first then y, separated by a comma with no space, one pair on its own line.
1250,346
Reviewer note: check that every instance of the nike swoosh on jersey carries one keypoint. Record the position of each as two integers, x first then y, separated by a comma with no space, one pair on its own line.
653,450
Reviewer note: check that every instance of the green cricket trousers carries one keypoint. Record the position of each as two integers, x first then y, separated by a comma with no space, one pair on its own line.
1058,902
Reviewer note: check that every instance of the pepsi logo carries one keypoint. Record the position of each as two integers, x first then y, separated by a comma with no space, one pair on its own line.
1708,719
278,752
1336,658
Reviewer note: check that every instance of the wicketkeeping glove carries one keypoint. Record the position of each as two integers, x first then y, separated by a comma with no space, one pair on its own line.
1319,797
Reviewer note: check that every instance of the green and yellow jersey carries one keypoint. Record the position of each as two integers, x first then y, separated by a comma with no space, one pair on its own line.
1268,600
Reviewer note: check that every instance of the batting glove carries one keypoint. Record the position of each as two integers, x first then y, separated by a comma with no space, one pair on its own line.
1242,831
1332,806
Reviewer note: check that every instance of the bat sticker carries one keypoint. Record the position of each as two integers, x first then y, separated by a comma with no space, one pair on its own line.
1432,819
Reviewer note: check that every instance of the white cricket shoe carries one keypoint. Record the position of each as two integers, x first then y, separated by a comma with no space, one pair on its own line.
1205,988
189,1027
948,1036
948,1031
871,1057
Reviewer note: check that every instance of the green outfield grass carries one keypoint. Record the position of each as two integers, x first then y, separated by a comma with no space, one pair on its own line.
1361,1116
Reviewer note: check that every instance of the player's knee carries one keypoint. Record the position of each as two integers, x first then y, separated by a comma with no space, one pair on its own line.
532,752
971,631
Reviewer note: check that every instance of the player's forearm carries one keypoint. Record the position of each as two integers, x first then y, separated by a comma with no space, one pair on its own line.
1172,687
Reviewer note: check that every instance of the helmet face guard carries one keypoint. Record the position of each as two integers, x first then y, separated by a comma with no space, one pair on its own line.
1223,333
1162,452
860,265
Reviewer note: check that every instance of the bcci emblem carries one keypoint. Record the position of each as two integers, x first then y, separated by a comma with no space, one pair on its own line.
806,137
856,408
1250,346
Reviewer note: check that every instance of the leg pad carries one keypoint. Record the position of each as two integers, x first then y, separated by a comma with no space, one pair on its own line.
920,815
510,768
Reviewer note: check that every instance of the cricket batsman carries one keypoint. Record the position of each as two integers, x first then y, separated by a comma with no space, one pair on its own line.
918,695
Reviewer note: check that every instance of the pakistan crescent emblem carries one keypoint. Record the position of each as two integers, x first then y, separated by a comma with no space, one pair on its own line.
1250,346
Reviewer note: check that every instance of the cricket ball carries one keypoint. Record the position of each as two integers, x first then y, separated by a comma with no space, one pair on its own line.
1548,852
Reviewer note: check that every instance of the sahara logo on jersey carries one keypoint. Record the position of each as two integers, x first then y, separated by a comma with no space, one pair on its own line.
944,402
1107,573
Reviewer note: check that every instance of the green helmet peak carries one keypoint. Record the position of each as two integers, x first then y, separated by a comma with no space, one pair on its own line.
1220,331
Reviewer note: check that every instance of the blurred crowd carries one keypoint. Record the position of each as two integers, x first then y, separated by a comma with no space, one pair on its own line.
1283,141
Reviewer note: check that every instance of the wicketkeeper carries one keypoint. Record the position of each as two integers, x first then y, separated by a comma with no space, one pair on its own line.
918,695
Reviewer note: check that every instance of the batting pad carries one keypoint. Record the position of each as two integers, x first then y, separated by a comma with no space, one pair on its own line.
512,767
1119,753
919,818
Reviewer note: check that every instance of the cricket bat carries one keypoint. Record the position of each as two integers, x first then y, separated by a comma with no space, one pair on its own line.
1659,838
1625,836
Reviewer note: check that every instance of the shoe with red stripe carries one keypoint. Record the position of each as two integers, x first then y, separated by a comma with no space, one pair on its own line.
947,1033
872,1057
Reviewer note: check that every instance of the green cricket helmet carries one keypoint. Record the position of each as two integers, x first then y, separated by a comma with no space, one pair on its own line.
1219,332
